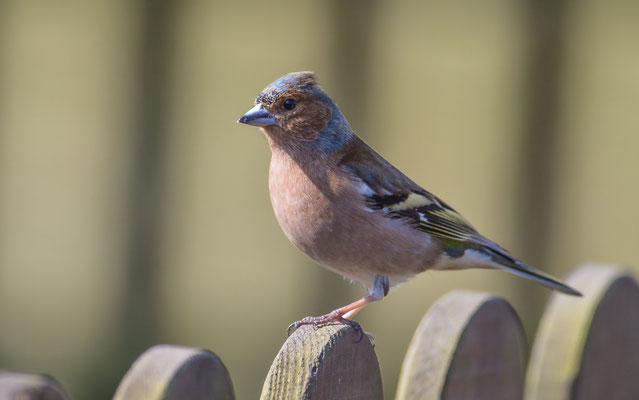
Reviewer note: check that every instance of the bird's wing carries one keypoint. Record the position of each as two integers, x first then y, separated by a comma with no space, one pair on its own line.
426,213
388,190
395,194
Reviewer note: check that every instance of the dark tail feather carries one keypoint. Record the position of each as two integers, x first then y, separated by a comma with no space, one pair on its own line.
510,264
529,272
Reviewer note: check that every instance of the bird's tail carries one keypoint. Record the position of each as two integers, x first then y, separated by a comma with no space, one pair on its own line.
504,261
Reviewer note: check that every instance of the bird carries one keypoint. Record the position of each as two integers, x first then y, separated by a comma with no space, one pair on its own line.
353,212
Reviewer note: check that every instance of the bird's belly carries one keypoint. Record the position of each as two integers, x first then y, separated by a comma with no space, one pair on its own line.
342,234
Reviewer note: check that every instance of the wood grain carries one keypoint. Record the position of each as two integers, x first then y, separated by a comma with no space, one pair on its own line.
324,363
24,386
468,346
171,372
587,348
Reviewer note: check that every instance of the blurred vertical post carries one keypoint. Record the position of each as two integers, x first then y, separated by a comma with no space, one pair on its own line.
540,136
4,33
138,325
351,23
146,187
3,75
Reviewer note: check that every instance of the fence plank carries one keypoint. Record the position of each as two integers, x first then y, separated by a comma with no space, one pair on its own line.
468,346
24,386
171,372
324,363
587,348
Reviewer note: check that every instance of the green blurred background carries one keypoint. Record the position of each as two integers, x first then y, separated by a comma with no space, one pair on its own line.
134,210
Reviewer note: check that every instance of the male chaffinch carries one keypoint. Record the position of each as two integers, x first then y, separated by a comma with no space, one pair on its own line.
353,212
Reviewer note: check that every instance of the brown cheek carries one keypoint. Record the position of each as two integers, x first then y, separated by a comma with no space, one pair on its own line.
309,121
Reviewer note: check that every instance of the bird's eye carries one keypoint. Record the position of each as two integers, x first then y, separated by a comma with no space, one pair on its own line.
289,104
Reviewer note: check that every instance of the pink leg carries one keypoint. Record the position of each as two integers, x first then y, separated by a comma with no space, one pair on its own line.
352,312
335,315
343,314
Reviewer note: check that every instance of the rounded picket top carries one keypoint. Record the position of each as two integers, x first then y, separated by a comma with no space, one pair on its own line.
469,345
324,363
25,386
587,348
171,372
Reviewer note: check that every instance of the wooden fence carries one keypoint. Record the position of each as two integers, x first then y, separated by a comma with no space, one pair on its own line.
469,345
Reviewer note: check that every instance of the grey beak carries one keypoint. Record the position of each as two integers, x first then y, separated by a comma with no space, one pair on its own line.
257,116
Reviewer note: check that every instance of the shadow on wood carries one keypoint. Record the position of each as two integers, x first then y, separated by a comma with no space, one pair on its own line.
24,386
171,372
587,348
468,346
324,363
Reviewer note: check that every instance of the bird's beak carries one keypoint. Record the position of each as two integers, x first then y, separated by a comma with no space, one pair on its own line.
257,116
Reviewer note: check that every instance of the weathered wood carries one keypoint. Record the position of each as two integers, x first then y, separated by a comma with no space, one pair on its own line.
324,363
171,372
468,346
587,348
23,386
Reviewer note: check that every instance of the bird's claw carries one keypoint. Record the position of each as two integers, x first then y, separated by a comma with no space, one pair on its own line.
355,325
305,321
324,319
292,327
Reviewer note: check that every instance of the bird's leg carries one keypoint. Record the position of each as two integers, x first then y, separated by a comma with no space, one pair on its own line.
352,312
379,290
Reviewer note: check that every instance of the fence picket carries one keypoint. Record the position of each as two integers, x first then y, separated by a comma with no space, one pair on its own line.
324,363
468,345
587,348
25,386
171,372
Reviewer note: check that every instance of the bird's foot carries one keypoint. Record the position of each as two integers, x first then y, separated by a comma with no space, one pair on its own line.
333,316
355,325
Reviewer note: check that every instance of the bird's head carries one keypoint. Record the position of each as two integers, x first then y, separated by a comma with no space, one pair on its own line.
294,110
